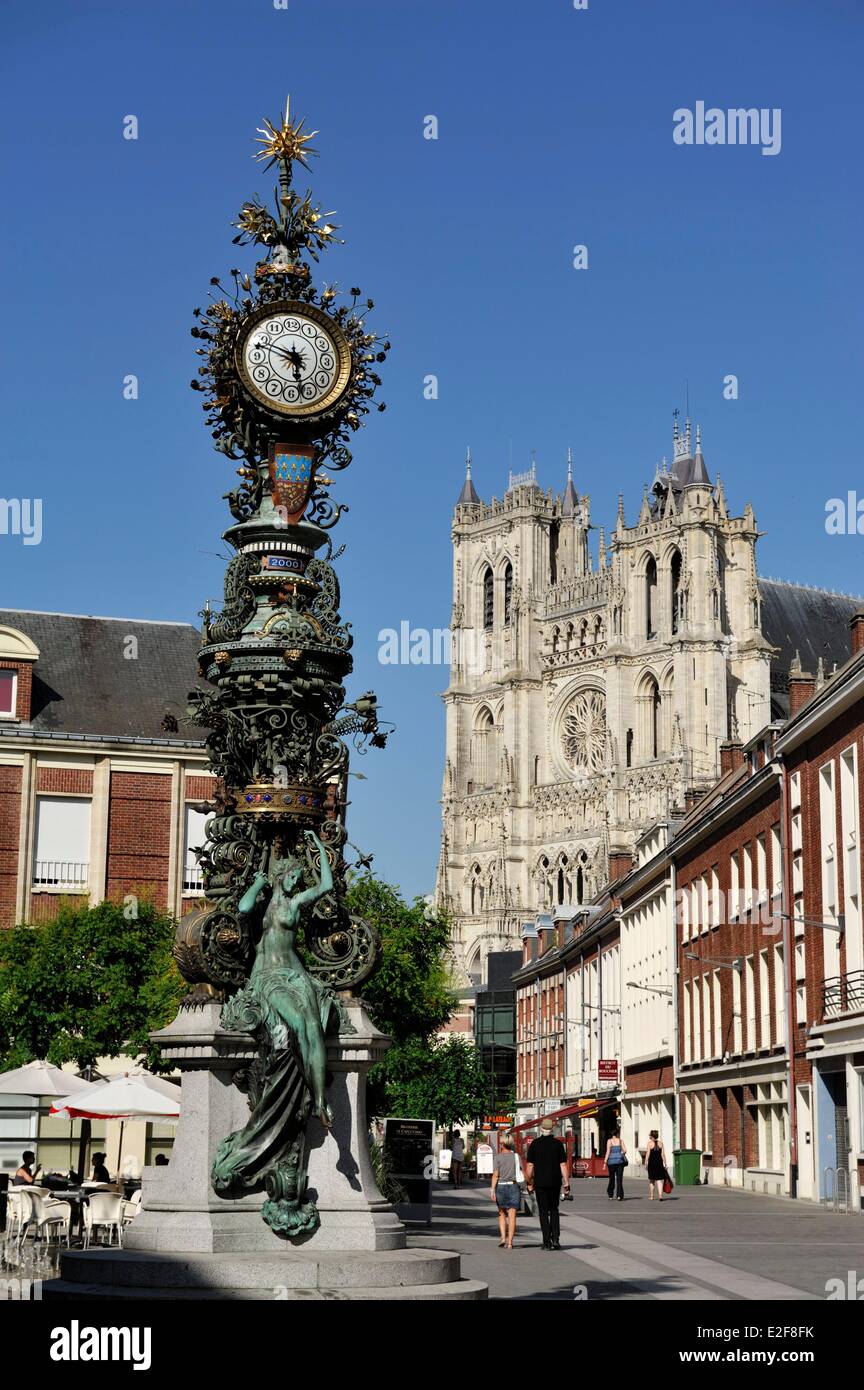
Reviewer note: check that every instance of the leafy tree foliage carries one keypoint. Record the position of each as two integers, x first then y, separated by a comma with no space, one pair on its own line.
94,982
440,1081
411,994
411,997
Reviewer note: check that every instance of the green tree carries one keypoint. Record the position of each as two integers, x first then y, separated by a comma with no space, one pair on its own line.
410,997
411,993
94,982
440,1081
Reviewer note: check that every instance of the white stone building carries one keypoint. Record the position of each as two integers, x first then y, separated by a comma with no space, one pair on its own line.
588,693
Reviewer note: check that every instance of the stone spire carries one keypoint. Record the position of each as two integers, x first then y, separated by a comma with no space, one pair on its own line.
570,499
700,472
468,496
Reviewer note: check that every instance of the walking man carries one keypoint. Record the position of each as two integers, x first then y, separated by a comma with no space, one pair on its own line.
546,1173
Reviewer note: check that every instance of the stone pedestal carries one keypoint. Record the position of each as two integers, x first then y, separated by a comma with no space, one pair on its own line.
188,1242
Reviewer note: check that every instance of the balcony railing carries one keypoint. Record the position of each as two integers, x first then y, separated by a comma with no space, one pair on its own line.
193,878
843,994
60,873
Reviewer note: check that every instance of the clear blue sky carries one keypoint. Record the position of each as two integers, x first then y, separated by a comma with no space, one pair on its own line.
555,128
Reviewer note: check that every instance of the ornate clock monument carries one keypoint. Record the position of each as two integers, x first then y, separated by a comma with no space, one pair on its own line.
271,1163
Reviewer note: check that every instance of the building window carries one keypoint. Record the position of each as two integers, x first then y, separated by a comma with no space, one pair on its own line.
62,853
651,598
8,694
761,869
769,1106
676,591
484,749
734,888
851,856
488,600
830,889
688,1026
764,1001
718,1015
776,863
779,997
508,591
193,878
715,899
748,878
750,975
737,1030
477,890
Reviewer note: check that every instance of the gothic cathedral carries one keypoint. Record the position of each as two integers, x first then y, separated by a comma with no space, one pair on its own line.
589,698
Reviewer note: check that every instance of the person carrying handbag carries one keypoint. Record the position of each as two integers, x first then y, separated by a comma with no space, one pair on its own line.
655,1162
616,1161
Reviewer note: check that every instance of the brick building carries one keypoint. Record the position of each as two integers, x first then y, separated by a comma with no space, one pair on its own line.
821,751
732,954
568,1021
731,979
104,784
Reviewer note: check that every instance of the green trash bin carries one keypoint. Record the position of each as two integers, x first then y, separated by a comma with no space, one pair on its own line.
687,1167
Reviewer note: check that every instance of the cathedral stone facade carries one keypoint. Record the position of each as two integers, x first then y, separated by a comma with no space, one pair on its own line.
590,696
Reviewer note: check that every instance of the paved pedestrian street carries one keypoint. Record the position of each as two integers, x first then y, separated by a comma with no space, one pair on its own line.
701,1244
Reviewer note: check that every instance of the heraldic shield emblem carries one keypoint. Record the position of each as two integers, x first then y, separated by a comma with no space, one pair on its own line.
292,471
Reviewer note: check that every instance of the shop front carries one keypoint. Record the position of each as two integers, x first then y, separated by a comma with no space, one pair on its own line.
583,1127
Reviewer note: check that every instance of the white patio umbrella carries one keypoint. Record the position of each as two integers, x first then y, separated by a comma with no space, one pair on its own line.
41,1079
136,1095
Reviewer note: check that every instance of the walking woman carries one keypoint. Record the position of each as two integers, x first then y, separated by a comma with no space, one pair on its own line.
655,1161
505,1190
615,1159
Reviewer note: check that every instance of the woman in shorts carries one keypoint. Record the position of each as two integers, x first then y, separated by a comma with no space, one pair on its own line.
505,1191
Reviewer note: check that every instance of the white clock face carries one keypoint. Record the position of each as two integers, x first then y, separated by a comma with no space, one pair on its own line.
292,361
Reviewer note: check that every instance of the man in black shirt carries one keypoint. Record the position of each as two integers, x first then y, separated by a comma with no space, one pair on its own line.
546,1172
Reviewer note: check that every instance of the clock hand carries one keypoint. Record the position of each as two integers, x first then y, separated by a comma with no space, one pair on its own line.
291,354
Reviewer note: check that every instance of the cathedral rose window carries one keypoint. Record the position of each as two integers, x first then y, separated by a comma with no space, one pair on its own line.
583,731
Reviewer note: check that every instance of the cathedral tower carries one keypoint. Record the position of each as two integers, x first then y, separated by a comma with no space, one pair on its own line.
589,694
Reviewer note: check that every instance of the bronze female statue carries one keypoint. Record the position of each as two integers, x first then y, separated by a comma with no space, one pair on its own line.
292,1014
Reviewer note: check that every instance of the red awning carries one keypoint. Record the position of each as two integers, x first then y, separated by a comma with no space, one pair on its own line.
586,1107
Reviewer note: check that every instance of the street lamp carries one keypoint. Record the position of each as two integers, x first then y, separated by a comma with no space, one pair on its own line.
652,989
839,926
737,964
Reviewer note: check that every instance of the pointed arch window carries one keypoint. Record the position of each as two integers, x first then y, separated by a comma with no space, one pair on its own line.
508,591
650,719
477,890
651,598
655,721
488,600
544,883
676,596
484,748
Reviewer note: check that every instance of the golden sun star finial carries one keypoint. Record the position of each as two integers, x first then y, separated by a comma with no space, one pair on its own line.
287,142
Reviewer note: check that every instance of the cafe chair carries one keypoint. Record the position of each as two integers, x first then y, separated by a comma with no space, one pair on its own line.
17,1211
46,1214
103,1209
131,1207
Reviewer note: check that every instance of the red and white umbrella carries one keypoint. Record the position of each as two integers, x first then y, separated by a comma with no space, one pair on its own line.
135,1095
